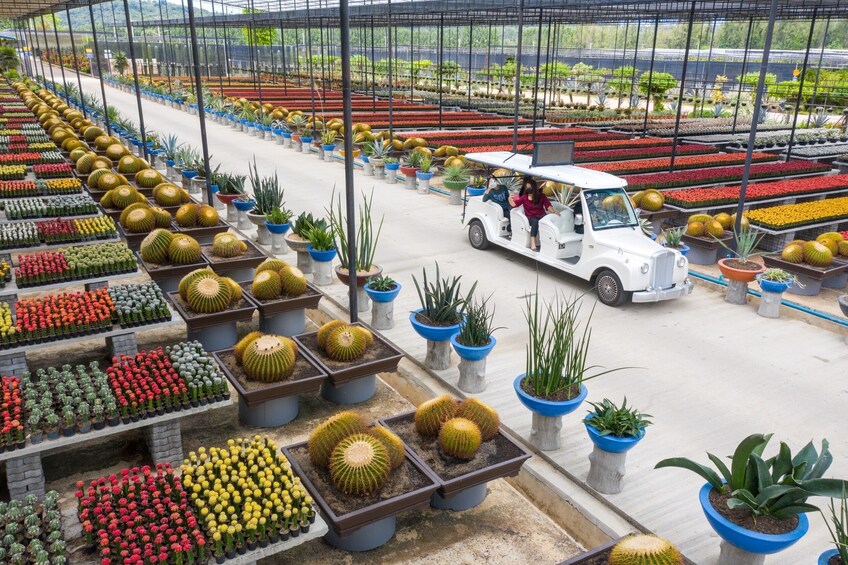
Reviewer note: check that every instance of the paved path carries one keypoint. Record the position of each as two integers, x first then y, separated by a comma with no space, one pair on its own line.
710,373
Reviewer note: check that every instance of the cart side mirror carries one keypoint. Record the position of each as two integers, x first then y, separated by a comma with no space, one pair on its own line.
578,219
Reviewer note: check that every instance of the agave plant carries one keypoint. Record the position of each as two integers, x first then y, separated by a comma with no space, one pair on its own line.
267,192
366,237
170,146
298,122
442,301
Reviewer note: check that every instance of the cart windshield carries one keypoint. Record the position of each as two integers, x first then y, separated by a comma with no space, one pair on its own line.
610,208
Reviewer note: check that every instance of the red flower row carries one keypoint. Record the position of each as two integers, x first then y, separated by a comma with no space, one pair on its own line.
693,162
638,153
17,188
11,412
585,146
52,170
73,312
448,137
27,158
33,266
504,138
145,382
700,197
721,174
139,518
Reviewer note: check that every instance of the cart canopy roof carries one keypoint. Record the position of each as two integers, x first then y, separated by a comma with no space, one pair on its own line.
567,174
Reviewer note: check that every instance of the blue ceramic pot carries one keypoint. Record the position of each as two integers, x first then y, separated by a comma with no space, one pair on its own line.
189,174
684,249
472,191
277,228
364,158
432,333
424,176
321,256
747,540
169,162
287,135
547,407
824,558
328,147
305,139
244,205
472,353
392,166
610,443
382,295
277,132
773,286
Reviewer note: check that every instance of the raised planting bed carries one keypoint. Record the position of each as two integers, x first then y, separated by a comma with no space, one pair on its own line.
705,250
285,315
241,267
16,236
354,381
692,198
811,279
804,214
271,404
360,523
462,484
215,331
699,177
680,163
75,263
600,555
75,205
202,234
168,276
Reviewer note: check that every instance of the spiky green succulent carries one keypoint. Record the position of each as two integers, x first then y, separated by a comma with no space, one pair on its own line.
359,465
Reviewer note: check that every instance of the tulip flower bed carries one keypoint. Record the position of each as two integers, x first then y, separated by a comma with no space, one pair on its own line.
798,215
140,516
11,412
74,263
704,197
680,163
721,174
12,172
53,170
32,531
49,207
640,153
246,495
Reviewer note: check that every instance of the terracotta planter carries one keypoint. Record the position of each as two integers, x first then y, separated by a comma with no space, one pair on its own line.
361,277
740,275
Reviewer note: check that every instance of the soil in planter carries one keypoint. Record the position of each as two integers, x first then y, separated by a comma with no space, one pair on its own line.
743,265
460,341
247,286
153,267
251,253
426,321
302,370
743,517
569,393
192,314
836,560
376,351
490,453
402,480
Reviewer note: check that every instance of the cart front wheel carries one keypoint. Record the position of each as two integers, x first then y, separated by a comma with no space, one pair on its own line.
609,289
477,235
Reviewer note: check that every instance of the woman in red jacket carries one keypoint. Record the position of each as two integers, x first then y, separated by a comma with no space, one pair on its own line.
536,205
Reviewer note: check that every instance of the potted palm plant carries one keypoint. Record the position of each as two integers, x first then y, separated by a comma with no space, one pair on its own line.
738,267
382,291
614,430
328,144
473,344
322,251
757,505
277,222
838,528
442,310
424,173
366,246
268,194
455,179
556,366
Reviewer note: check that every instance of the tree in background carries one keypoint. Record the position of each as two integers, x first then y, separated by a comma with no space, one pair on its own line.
8,59
660,83
258,36
119,61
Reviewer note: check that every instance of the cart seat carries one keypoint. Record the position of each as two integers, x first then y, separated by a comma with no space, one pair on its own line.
557,235
520,226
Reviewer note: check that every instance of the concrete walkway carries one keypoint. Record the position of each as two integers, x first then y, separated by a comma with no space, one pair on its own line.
710,373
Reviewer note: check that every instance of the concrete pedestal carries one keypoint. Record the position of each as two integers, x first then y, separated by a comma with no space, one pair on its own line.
322,273
424,186
410,182
391,176
379,173
306,147
271,414
737,292
363,302
732,555
469,498
455,198
278,244
232,214
438,355
285,323
472,376
165,442
382,315
328,156
24,475
366,538
263,236
287,142
213,338
769,305
606,471
351,392
304,262
544,432
368,169
243,221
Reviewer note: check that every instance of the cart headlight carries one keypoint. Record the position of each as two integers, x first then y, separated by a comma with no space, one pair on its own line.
645,267
681,261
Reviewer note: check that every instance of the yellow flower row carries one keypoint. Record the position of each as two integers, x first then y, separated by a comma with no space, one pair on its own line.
98,225
63,184
795,215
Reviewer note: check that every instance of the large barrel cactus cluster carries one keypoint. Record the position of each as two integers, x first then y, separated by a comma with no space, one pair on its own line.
460,427
342,341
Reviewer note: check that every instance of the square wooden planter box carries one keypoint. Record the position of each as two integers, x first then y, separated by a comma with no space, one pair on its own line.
214,331
168,276
813,278
705,250
203,235
239,268
284,316
600,555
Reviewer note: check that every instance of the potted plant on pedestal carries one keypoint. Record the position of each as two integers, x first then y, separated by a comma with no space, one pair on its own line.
410,166
557,366
424,173
672,239
392,166
614,430
442,310
277,222
838,528
476,186
268,195
473,344
366,246
757,505
328,144
322,251
298,240
740,270
377,151
170,147
455,178
298,123
382,291
230,187
773,282
243,205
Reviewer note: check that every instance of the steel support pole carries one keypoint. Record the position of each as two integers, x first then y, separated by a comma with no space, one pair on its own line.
218,65
373,69
135,79
99,68
742,74
623,57
758,99
49,64
635,55
145,47
440,61
309,66
517,83
391,64
707,66
201,112
165,45
538,63
283,54
650,77
547,73
818,69
682,88
470,71
76,65
61,63
801,84
350,195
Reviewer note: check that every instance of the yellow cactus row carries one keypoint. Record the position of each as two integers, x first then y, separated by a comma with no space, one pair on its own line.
793,215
